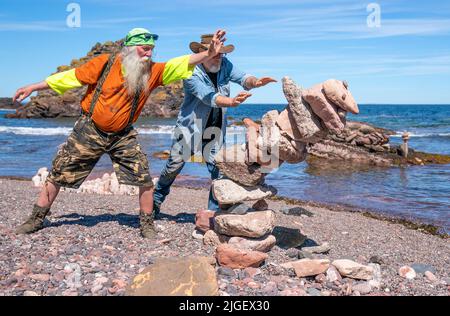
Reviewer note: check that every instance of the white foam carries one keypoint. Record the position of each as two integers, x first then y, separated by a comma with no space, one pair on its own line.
39,131
49,131
399,135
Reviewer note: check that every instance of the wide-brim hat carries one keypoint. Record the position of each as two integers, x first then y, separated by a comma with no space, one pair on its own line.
206,40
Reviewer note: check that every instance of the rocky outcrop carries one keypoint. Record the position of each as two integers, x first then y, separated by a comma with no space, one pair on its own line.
163,102
361,144
7,103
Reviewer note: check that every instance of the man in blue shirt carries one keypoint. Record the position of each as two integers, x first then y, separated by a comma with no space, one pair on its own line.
201,124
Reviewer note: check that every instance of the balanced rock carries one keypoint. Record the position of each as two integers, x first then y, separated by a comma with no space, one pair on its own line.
229,192
337,92
291,151
211,238
263,244
323,108
231,161
204,220
354,270
229,256
253,225
176,277
307,123
270,133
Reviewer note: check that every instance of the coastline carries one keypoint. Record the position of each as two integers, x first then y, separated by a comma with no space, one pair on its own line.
188,182
99,233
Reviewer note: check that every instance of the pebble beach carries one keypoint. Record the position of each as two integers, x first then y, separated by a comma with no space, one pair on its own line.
90,245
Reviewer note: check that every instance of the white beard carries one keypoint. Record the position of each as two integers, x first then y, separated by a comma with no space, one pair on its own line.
214,68
137,70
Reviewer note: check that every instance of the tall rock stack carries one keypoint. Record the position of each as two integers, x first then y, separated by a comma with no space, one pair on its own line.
243,234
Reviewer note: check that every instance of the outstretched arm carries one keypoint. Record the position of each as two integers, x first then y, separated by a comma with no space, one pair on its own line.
214,49
25,92
253,82
226,102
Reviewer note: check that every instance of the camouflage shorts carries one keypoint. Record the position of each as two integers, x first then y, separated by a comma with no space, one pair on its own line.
86,144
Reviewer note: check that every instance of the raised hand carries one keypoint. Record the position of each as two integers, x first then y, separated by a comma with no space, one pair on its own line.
264,81
216,43
240,98
23,93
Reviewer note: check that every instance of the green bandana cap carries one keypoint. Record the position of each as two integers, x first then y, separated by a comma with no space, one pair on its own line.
139,37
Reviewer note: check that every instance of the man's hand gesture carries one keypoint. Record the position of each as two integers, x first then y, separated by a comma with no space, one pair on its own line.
240,98
216,43
23,93
264,81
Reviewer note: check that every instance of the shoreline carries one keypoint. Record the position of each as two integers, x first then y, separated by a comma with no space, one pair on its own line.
417,225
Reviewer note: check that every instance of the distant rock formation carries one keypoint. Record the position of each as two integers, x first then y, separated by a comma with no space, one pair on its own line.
163,102
7,103
361,144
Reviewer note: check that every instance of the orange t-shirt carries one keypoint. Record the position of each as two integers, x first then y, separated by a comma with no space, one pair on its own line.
113,109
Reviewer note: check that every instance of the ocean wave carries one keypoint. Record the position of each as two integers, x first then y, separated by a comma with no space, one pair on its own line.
38,131
399,135
51,131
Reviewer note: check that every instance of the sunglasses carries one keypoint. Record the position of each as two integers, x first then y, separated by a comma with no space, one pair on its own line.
150,36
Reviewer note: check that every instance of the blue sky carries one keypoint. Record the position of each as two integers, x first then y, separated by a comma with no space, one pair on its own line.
405,60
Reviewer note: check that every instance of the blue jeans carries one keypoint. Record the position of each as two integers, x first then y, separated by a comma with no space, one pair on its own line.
172,169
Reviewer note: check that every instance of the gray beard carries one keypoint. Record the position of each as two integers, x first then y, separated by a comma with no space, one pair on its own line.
137,70
214,69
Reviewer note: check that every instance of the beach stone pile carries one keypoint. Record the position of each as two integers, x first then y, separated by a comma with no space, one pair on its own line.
108,184
244,234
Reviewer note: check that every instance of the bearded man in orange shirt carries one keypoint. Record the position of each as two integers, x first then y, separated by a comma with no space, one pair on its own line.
118,87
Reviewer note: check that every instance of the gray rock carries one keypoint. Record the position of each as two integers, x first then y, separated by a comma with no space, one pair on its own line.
362,288
324,248
422,268
376,259
313,292
292,253
237,209
296,211
288,237
229,192
226,272
304,255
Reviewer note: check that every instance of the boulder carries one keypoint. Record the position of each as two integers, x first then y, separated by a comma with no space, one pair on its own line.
253,225
231,161
310,267
323,108
263,244
204,220
176,277
337,92
307,123
288,237
229,192
211,238
354,270
229,256
291,151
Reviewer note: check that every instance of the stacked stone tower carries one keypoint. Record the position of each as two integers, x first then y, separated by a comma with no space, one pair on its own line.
242,233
